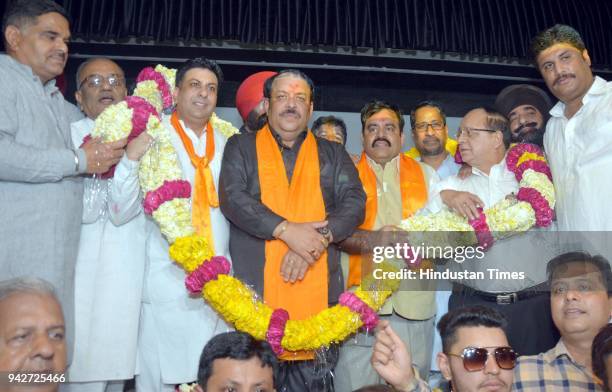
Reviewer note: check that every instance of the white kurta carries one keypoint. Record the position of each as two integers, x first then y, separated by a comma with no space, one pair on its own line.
182,323
579,151
109,273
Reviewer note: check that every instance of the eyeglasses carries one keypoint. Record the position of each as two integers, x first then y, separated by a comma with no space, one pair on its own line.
471,132
422,127
96,81
475,358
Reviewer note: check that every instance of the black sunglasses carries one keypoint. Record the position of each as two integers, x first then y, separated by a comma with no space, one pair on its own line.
475,358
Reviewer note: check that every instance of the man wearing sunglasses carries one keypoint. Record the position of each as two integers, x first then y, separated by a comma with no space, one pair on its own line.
475,353
580,287
111,255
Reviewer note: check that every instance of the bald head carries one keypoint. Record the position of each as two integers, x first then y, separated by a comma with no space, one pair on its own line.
100,83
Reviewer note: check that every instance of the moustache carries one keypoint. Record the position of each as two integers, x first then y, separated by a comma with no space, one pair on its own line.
431,139
562,77
291,111
525,128
381,139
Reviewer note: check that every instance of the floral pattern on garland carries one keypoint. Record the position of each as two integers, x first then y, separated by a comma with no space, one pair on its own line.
534,204
167,198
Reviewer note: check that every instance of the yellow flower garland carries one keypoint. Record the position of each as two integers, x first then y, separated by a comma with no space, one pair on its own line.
236,302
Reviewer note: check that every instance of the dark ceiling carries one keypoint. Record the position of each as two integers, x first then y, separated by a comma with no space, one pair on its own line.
459,52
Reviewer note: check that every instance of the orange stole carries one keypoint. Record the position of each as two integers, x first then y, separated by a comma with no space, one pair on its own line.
300,201
204,194
414,196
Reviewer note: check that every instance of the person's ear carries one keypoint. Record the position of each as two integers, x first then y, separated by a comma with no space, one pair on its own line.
444,366
12,37
586,57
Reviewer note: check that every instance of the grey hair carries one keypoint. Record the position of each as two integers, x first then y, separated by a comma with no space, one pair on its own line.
26,285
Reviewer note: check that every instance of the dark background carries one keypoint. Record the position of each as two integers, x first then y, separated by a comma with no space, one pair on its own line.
459,52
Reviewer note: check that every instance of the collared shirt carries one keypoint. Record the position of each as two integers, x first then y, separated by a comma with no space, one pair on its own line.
448,167
525,254
490,188
554,370
411,304
253,223
579,152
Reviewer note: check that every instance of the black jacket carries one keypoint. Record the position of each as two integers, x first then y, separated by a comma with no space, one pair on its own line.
252,222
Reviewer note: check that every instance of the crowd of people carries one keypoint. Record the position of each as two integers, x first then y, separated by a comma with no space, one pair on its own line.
88,289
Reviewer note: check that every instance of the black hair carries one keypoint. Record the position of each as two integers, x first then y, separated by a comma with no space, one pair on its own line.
473,316
601,350
235,345
424,104
600,262
285,72
557,34
22,12
198,62
375,106
333,121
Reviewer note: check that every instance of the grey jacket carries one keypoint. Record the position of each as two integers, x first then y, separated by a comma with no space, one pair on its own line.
40,192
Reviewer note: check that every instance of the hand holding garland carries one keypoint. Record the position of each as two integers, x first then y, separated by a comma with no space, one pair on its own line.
463,203
102,156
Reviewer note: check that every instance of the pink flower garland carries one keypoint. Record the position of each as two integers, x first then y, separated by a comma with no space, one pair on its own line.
167,191
368,315
141,110
458,158
276,330
537,166
481,228
149,73
206,272
516,151
543,213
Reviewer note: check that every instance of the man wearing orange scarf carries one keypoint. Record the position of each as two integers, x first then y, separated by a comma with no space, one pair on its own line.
396,186
175,326
290,196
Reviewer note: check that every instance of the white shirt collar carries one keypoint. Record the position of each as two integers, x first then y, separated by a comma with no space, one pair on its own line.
597,88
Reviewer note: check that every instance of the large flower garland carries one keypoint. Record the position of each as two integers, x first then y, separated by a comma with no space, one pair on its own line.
534,203
167,199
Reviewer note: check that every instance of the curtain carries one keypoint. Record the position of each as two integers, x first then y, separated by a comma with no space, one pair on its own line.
497,28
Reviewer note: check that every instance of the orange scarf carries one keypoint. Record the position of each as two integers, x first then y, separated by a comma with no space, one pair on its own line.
298,201
204,194
414,196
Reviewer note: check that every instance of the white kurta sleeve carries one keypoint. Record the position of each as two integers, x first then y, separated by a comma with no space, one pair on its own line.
124,202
